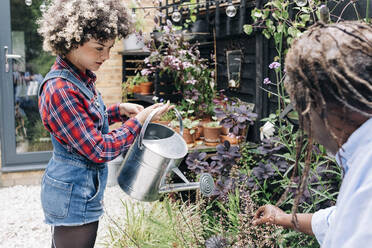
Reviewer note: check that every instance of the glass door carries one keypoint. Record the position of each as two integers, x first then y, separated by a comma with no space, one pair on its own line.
25,144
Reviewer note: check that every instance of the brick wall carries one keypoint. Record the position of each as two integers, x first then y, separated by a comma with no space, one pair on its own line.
108,83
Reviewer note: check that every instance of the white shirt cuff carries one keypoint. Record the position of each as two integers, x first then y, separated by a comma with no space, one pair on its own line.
321,221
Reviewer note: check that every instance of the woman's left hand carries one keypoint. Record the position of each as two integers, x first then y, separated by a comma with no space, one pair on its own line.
130,109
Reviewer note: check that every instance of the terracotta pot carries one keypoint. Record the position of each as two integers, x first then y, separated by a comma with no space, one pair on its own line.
136,89
198,132
203,121
146,88
232,140
189,138
211,134
224,130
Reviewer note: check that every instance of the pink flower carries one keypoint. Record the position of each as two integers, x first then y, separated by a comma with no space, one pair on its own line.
146,72
274,65
191,81
186,65
267,81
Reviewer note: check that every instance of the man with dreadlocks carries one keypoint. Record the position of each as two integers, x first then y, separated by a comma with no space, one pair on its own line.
329,80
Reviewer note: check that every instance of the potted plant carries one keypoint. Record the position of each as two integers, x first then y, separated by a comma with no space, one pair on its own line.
212,131
189,129
135,40
142,82
132,84
236,116
178,65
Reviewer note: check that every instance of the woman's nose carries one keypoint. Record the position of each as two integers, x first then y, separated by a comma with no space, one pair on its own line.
106,54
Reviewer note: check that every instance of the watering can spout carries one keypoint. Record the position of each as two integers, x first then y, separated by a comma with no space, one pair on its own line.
206,186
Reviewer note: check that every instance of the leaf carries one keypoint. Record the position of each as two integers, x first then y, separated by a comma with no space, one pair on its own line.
305,17
270,26
256,13
285,14
193,18
277,38
248,29
266,34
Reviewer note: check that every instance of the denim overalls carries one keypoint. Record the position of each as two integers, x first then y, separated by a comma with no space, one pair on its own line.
72,186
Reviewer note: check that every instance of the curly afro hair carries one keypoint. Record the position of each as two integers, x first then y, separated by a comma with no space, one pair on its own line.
69,23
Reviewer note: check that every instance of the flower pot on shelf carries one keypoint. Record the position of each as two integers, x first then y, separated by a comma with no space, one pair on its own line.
187,136
211,134
224,130
136,89
198,132
146,88
203,121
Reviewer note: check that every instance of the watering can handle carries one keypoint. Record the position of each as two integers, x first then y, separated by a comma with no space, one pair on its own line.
147,121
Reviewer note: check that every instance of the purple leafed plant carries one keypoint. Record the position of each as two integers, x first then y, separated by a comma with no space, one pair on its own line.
217,165
236,116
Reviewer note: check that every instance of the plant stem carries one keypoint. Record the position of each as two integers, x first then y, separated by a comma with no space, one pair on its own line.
367,12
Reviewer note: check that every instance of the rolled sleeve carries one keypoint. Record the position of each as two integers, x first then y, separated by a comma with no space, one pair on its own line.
113,113
133,125
320,222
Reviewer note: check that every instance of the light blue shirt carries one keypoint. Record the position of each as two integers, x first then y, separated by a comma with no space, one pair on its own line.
349,223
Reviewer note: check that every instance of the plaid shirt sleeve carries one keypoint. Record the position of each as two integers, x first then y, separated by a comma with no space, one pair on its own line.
114,114
64,112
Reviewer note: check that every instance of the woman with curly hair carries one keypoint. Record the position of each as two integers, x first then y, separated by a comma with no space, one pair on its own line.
329,81
81,34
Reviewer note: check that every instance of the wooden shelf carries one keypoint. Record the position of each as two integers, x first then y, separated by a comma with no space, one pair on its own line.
204,148
145,98
135,53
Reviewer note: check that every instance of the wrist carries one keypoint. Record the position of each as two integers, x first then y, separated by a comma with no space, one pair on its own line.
283,219
121,110
140,119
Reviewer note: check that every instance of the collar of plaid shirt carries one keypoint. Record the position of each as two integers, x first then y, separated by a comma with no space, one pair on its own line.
88,77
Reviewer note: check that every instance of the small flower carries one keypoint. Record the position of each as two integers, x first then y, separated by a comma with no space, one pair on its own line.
166,29
267,81
169,23
155,98
192,81
146,72
274,65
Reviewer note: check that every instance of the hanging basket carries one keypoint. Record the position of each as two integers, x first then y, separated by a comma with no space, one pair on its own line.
133,42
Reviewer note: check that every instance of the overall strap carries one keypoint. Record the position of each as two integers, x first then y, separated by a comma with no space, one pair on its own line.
67,75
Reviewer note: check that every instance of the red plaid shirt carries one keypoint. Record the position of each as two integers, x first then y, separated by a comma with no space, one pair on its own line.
72,119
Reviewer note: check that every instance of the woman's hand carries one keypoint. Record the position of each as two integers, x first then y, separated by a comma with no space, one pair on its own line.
268,214
130,109
142,116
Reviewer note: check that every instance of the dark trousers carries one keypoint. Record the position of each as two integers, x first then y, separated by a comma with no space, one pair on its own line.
74,236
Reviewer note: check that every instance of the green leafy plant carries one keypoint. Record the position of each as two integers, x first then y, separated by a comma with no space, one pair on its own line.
160,224
213,124
137,79
187,123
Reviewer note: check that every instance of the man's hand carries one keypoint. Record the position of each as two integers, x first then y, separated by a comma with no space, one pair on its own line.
268,214
130,109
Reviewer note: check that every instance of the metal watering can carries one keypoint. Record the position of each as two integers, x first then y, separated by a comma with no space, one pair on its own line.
156,152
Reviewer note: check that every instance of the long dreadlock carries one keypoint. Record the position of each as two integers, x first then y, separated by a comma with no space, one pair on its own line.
329,64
